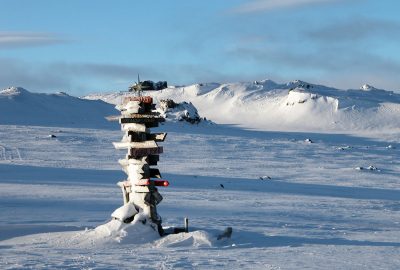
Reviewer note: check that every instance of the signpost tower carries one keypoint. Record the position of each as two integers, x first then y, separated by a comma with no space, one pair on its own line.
140,189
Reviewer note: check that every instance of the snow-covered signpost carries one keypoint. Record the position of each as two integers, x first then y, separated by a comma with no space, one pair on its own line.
140,193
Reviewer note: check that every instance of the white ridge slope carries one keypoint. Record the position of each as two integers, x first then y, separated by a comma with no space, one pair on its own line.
21,107
294,106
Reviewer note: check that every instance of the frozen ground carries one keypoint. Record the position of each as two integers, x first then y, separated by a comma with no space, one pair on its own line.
318,211
322,200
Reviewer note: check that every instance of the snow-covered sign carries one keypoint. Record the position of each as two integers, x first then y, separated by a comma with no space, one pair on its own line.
140,195
126,145
134,127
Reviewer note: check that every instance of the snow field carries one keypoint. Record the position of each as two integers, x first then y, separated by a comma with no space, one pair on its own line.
323,192
317,211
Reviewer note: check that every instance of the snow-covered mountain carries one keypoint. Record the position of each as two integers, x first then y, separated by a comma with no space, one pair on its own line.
294,106
21,107
263,105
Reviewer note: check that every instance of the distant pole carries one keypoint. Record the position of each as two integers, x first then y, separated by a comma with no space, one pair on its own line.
186,224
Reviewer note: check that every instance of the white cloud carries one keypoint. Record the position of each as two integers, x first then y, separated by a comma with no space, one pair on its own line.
27,39
266,5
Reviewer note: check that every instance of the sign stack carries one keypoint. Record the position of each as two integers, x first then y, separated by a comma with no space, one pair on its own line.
140,193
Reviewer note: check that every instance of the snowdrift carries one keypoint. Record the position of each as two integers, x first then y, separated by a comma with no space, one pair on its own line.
180,112
21,107
294,106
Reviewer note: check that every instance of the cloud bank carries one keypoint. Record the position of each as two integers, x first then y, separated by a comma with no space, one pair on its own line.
267,5
10,40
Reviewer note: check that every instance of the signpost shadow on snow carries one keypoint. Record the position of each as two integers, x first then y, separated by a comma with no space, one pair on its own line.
10,173
62,176
57,176
259,240
237,130
281,187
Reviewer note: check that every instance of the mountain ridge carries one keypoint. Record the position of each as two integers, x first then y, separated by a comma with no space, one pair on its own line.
292,106
262,105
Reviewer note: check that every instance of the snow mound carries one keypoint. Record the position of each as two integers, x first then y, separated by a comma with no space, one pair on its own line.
190,239
18,106
131,233
182,111
116,232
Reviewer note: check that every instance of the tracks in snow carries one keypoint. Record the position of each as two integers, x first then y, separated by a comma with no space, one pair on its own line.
9,154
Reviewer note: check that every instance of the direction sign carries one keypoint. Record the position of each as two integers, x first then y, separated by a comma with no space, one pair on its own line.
141,152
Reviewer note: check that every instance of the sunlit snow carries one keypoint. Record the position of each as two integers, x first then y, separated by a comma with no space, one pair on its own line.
278,163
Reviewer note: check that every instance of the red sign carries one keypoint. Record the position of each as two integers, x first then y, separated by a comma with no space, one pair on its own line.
145,99
148,182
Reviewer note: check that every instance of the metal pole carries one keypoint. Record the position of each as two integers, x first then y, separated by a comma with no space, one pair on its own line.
186,224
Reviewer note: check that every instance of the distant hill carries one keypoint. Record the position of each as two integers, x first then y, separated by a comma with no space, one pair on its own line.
293,106
21,107
263,105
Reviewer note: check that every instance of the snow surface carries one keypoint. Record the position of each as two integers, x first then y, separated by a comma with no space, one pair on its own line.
295,200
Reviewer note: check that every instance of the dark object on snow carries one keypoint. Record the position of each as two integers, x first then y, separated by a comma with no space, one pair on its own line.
221,185
186,224
129,219
227,233
147,85
371,168
168,104
176,230
161,85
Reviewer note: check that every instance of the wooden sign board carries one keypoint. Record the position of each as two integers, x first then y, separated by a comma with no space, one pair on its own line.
126,162
135,136
153,159
141,152
151,125
143,99
126,145
141,120
142,115
155,173
138,136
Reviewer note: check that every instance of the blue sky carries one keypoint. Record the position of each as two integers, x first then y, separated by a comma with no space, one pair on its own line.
83,46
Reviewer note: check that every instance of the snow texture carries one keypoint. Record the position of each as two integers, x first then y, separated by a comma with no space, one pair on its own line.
294,199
